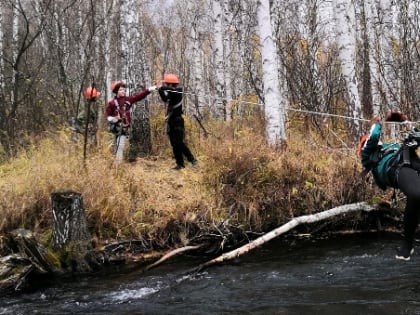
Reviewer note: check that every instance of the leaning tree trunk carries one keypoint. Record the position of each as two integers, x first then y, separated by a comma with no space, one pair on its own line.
305,219
140,136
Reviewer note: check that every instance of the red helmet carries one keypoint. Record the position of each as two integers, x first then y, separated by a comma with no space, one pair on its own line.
170,78
115,86
91,93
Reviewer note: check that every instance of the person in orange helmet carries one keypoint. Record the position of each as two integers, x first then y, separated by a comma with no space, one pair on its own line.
91,94
171,95
118,113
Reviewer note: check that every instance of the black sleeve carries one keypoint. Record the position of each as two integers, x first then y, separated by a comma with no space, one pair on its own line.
162,94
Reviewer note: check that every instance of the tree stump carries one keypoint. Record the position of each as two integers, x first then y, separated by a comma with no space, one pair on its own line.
70,234
69,220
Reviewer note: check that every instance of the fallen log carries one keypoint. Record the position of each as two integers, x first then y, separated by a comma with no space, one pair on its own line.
305,219
171,254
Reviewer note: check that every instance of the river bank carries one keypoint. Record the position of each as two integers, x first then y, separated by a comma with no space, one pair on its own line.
240,190
30,262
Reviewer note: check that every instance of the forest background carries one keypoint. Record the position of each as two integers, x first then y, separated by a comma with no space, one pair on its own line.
276,94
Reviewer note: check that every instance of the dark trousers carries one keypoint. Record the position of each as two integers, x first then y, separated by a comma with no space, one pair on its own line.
408,181
176,133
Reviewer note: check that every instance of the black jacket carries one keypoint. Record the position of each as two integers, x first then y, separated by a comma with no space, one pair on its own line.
173,99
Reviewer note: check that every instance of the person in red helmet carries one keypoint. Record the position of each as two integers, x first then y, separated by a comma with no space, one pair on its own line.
118,113
171,95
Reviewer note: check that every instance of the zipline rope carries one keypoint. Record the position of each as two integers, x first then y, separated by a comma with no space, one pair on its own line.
298,110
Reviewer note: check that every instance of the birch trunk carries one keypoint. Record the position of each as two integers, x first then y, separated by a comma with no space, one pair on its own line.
140,136
345,26
197,71
274,99
305,219
218,110
227,38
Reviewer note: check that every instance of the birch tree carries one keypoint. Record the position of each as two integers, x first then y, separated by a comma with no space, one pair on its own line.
227,79
274,100
407,49
195,21
139,74
345,26
109,66
219,104
378,22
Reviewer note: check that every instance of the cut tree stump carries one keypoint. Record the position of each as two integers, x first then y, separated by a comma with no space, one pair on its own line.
69,220
70,234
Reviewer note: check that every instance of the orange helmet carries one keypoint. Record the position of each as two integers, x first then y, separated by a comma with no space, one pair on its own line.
91,93
115,86
170,78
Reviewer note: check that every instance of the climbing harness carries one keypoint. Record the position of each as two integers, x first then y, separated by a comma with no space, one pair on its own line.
120,129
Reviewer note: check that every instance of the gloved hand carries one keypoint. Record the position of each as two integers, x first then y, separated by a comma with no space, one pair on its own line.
396,116
112,119
152,88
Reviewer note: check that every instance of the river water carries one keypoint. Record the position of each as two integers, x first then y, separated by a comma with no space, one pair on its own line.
353,274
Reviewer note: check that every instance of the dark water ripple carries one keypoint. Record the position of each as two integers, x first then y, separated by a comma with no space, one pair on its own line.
355,274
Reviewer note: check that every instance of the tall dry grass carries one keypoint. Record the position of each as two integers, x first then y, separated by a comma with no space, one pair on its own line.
239,180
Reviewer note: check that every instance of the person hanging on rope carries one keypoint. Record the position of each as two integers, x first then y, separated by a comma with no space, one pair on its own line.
118,113
396,165
171,95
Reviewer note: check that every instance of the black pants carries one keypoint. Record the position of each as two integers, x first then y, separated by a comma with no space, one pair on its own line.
408,181
176,133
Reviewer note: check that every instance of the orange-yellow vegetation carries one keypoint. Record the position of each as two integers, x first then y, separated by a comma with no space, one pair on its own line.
239,180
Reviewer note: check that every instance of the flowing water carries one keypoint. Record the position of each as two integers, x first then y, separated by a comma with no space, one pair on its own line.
354,274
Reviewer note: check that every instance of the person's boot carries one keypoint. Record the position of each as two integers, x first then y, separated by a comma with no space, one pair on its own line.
194,162
405,251
178,167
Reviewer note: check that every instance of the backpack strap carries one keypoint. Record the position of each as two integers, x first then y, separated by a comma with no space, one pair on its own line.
406,160
171,110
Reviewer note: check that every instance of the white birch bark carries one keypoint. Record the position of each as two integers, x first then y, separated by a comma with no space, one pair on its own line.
15,39
197,70
227,60
275,102
386,53
218,109
305,219
370,9
246,48
129,39
309,30
384,82
107,44
326,22
345,26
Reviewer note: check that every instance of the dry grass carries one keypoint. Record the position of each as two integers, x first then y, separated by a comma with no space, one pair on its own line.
240,180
